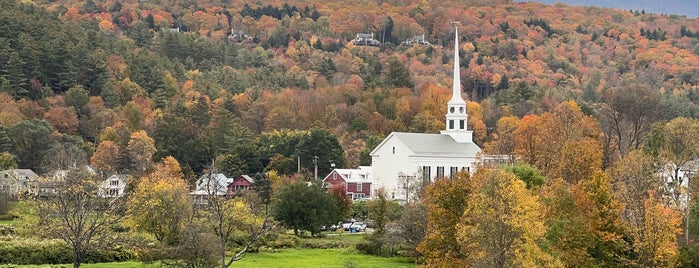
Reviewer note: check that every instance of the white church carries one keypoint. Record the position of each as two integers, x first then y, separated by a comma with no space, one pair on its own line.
418,157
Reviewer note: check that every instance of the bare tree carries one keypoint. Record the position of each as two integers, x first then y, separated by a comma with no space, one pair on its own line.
228,217
63,156
78,215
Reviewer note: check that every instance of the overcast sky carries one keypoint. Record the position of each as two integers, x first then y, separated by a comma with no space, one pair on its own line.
690,8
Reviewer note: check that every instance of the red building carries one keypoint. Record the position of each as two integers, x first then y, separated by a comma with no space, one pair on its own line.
357,182
239,184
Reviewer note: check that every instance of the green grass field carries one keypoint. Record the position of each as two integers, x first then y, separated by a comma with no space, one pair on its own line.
331,250
312,258
347,257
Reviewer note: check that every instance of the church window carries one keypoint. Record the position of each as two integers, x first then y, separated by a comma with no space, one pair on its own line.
461,109
451,110
451,124
394,150
426,173
461,124
453,171
359,187
467,169
440,172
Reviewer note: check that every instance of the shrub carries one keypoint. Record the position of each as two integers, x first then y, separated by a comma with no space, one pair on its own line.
283,241
27,251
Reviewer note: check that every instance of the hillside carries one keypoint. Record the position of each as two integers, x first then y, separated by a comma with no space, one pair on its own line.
81,73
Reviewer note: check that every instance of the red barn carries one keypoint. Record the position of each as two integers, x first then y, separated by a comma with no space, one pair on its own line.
357,182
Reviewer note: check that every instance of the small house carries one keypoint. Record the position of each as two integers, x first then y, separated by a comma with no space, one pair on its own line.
357,182
210,184
365,39
15,182
238,36
418,40
243,182
114,186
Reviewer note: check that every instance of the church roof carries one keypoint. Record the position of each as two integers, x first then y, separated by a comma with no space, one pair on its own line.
423,144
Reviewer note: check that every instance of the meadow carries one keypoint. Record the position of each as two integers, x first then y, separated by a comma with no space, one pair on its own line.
331,250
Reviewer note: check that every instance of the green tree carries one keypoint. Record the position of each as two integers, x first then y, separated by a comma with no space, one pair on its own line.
179,137
321,146
398,75
77,215
5,140
7,161
31,139
304,207
529,174
77,97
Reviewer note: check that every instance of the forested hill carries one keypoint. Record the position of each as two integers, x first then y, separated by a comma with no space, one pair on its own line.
113,82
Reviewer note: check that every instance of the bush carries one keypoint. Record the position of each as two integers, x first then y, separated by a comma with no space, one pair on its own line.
26,251
369,248
6,230
283,241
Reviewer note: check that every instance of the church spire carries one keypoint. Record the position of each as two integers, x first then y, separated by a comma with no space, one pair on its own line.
456,85
456,117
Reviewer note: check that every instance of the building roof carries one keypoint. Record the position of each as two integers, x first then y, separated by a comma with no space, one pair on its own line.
28,173
247,178
423,144
360,174
217,183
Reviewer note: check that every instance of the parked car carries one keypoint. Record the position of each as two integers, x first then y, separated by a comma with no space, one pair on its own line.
354,226
359,226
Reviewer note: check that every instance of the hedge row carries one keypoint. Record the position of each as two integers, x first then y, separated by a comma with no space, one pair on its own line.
19,251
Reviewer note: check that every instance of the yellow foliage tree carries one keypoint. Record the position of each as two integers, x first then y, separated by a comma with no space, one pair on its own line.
160,204
446,201
141,149
502,224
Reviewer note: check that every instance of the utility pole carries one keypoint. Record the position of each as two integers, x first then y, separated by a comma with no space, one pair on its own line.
315,166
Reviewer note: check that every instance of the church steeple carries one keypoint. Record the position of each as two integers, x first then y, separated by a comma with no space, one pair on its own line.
456,117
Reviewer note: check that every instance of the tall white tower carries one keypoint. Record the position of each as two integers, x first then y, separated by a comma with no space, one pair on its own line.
456,118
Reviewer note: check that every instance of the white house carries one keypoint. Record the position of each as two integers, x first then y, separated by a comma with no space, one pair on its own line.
114,186
15,182
210,184
403,158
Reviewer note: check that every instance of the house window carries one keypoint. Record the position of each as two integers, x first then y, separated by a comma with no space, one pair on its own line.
394,150
334,176
113,192
357,196
461,124
451,124
114,183
359,187
440,172
426,174
467,169
453,171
